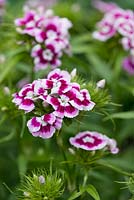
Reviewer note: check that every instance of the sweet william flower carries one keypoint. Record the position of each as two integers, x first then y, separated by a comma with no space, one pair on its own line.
106,31
44,126
92,141
24,98
49,35
52,99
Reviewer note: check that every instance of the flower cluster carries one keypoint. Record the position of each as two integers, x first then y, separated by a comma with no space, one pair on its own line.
92,141
49,34
53,99
117,21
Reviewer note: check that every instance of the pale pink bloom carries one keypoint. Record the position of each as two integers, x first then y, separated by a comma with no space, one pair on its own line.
44,126
104,6
90,141
128,65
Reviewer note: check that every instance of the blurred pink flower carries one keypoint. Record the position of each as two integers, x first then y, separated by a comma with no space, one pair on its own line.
128,65
50,36
104,6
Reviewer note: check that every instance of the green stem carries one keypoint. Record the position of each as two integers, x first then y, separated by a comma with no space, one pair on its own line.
70,180
85,179
103,164
32,74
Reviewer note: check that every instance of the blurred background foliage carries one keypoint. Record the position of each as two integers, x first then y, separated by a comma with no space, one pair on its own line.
20,152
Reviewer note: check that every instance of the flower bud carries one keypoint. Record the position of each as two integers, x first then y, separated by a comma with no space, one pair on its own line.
101,84
41,179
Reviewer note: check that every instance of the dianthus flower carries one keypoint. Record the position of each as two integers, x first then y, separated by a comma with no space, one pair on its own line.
121,22
53,98
92,141
50,37
116,21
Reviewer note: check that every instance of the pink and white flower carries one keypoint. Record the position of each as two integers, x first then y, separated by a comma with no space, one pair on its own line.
56,94
44,126
80,99
24,98
125,26
58,74
106,31
92,141
62,106
45,57
50,37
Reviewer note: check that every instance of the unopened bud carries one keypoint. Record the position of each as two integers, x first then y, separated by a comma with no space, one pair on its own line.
4,108
101,83
26,194
41,179
2,58
71,151
73,73
6,90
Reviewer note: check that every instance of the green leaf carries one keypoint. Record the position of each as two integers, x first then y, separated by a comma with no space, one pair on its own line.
100,67
93,192
121,115
76,194
8,137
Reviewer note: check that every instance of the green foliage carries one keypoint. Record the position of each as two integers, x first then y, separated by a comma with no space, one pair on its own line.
41,185
20,152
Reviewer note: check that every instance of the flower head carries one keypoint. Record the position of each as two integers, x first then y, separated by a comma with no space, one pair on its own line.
49,35
44,126
91,141
50,100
